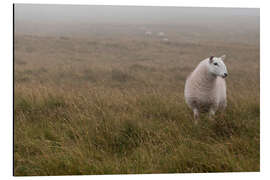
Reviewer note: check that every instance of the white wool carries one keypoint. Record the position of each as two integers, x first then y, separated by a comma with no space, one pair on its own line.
165,39
148,33
205,91
161,34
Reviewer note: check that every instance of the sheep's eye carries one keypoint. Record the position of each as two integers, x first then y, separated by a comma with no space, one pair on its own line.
215,64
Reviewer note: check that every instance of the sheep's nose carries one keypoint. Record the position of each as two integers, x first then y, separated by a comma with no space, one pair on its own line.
225,74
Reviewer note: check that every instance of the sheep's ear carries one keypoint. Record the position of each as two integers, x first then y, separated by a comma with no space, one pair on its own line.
211,59
223,57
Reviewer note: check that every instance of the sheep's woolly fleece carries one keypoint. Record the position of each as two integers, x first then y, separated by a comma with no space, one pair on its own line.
205,91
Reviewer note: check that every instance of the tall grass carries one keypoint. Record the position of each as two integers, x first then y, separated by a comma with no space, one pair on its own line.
123,111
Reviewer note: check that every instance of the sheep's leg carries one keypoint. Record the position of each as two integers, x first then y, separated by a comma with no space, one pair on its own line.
223,107
211,114
196,116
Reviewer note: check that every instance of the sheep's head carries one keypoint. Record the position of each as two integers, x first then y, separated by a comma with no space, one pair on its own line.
217,66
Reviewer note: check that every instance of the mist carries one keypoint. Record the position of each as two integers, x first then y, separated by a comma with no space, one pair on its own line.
81,20
131,14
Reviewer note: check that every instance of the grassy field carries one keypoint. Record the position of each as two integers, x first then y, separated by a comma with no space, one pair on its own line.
114,105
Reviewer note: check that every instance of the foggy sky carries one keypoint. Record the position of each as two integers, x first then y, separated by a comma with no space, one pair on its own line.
131,14
226,24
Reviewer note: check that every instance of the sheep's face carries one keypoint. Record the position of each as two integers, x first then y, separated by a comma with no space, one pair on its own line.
217,66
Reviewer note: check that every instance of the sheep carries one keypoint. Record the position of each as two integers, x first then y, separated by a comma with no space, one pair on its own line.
161,34
205,87
148,33
165,40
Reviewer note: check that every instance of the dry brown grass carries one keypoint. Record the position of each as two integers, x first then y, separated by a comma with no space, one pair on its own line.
115,105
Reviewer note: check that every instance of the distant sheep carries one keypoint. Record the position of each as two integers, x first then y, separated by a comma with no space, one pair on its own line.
205,88
165,40
161,34
148,33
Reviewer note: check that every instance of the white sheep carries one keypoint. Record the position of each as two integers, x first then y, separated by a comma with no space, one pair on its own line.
165,40
205,88
148,33
161,34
